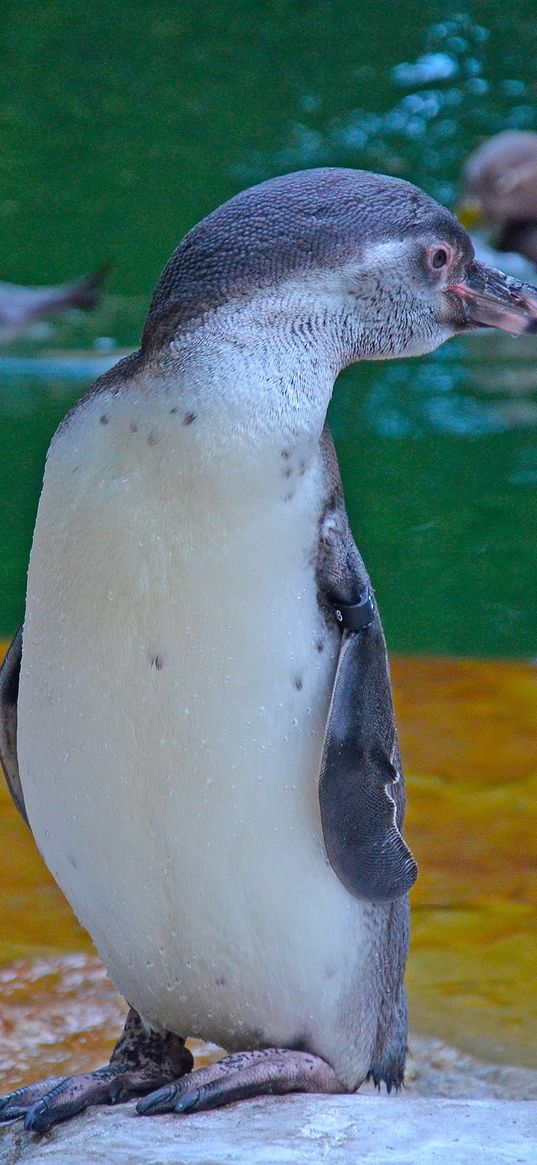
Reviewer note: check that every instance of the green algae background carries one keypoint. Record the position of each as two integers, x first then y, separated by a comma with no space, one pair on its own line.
122,124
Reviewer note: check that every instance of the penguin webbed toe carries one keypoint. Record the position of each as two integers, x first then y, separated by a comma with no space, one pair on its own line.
142,1061
265,1071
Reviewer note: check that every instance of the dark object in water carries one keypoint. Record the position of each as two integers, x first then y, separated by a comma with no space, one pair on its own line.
501,187
20,306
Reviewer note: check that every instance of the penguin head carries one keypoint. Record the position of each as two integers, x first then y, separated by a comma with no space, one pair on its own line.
366,266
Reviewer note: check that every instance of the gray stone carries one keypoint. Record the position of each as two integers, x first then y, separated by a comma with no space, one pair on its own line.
293,1130
435,1069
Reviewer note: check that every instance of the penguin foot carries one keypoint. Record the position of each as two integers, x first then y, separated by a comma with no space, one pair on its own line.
240,1076
142,1060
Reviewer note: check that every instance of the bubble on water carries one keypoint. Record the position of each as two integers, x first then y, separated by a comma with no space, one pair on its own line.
457,44
310,102
104,343
427,68
512,87
477,86
521,117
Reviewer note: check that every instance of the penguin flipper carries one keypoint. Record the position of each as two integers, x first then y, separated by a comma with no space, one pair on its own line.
361,785
359,770
9,691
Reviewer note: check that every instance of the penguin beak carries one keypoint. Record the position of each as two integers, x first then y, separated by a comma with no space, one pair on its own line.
490,299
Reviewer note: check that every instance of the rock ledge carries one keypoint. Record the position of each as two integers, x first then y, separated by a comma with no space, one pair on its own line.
293,1130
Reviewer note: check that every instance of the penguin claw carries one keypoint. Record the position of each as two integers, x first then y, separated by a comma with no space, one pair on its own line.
163,1100
76,1093
39,1117
16,1104
191,1100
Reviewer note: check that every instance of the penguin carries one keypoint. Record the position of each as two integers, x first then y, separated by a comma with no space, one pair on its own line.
21,306
197,718
500,185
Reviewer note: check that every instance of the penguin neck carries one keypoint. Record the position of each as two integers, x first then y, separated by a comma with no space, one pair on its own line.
260,374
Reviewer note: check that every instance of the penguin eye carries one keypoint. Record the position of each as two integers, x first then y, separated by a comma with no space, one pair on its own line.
439,257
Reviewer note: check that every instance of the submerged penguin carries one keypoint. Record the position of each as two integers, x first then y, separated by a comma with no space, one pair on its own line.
197,718
501,186
21,306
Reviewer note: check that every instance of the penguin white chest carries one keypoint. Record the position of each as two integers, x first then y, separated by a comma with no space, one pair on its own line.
175,684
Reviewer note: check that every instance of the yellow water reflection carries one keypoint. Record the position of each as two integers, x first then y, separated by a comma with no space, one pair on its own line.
469,736
469,733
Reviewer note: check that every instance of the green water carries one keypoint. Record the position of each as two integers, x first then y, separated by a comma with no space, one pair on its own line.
122,124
